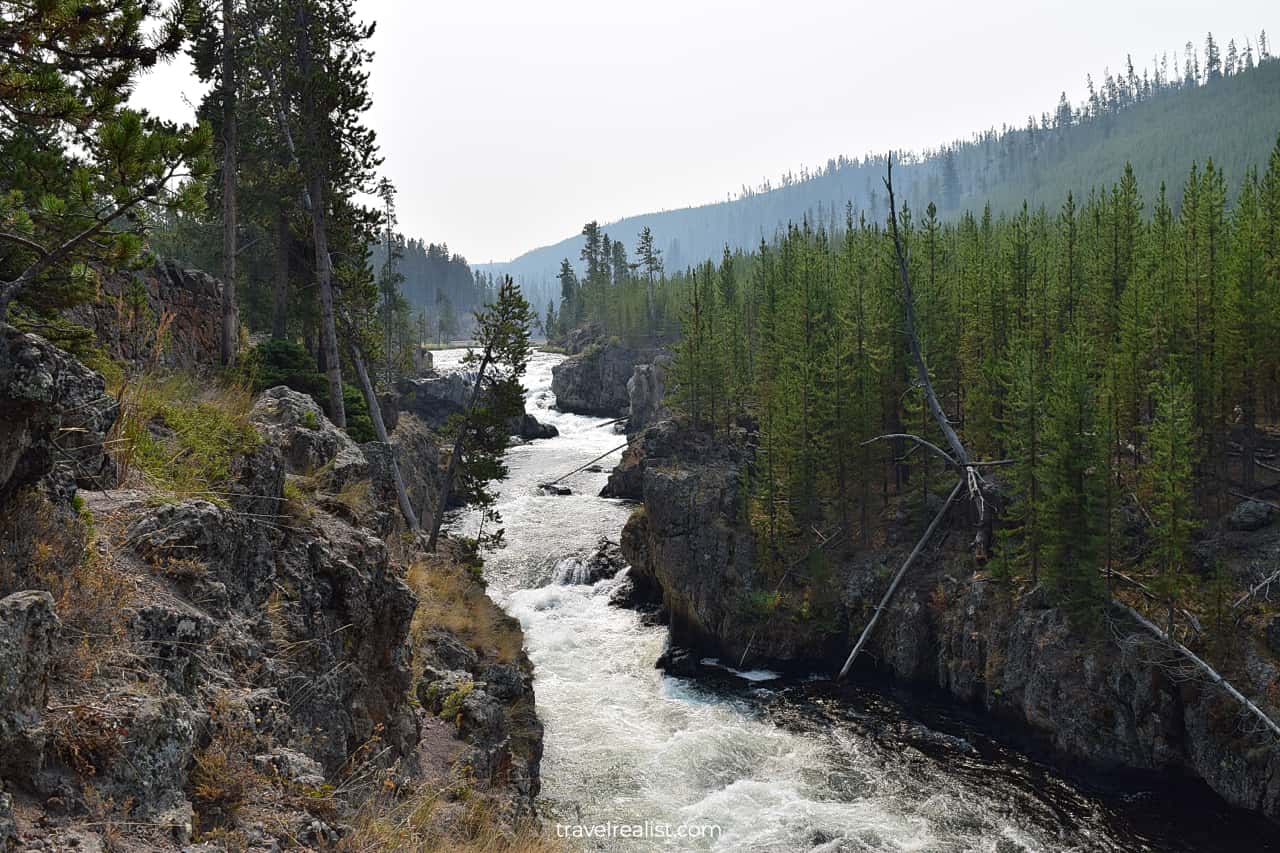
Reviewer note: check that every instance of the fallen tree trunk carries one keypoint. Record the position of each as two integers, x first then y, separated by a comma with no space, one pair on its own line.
1201,665
897,579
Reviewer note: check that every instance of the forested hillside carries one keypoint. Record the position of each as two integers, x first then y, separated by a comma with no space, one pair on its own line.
1119,352
1159,119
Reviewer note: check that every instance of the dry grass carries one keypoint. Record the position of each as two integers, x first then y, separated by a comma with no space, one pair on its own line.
179,432
449,820
38,539
450,597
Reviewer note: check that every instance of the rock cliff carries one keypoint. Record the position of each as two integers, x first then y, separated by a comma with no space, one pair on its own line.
1111,698
133,307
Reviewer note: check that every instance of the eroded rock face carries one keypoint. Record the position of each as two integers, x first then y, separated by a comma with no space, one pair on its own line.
274,623
53,410
594,382
187,301
417,453
646,391
689,548
490,704
1115,701
1125,703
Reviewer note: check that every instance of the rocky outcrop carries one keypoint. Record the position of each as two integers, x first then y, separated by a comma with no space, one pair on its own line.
1111,698
689,547
646,392
421,462
529,428
241,660
311,444
53,410
28,629
164,314
435,398
594,382
490,705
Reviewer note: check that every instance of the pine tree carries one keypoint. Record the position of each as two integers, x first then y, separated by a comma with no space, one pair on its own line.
1020,540
1073,479
1169,484
79,169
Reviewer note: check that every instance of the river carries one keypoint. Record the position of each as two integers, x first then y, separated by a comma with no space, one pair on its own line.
748,761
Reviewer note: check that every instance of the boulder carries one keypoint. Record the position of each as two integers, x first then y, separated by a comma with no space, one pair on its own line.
528,427
53,410
1251,515
603,563
292,765
436,397
311,444
28,630
172,638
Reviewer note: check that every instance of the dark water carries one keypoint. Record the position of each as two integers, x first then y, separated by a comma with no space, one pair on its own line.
773,764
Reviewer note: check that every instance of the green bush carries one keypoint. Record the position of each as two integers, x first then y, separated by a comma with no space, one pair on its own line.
287,363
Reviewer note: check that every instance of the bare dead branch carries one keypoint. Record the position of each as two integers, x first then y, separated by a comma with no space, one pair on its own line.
1204,667
897,578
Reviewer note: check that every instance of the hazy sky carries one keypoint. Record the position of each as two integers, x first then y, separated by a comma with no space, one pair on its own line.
506,125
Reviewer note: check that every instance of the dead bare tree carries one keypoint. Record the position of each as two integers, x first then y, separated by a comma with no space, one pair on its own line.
958,457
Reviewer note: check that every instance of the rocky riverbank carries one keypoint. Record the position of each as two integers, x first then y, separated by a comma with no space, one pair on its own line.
1110,697
258,661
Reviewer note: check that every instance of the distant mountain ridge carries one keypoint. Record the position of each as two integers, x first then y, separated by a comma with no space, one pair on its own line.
1157,122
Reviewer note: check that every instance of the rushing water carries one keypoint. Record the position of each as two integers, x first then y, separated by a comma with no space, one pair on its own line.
771,764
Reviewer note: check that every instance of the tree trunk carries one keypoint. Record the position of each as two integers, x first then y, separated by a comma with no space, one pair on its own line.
893,585
443,500
230,311
320,234
1201,665
328,327
280,290
380,428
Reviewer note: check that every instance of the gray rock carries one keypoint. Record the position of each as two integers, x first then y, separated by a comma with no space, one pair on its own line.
28,631
594,382
189,298
418,455
53,410
646,391
290,764
311,444
1251,515
530,428
436,397
171,640
8,826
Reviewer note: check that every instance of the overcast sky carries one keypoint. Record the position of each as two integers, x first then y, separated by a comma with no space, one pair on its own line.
506,125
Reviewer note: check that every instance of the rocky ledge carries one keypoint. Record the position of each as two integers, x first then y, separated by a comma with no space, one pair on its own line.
1112,699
